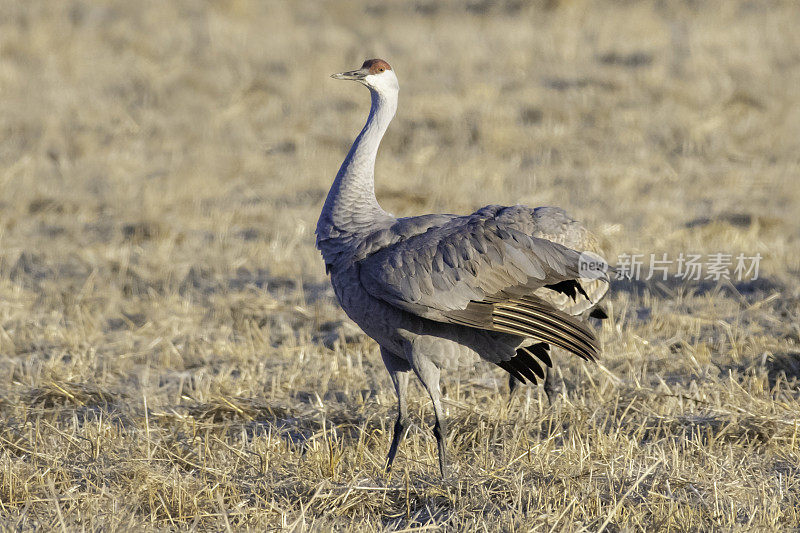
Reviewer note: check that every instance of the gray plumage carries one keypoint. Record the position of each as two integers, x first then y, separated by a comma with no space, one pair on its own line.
441,291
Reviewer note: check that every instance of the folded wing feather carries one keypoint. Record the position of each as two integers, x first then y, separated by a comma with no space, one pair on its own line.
482,271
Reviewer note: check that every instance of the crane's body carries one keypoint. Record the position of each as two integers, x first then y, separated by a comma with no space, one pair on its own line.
440,291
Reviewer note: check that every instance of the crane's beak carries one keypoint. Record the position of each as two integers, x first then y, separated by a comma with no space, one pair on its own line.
355,75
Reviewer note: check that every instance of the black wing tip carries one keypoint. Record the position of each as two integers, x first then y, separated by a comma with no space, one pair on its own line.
526,358
525,366
542,351
599,313
506,365
569,287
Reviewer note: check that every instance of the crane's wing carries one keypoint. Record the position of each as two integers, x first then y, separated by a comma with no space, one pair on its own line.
481,271
554,224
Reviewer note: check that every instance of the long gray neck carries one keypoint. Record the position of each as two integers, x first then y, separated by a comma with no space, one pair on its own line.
351,206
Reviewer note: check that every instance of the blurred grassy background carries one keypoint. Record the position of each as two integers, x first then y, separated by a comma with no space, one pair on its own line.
176,359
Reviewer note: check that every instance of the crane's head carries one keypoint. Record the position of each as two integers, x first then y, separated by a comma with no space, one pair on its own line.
376,74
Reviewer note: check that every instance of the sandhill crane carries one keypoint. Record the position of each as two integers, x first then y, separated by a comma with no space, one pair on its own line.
438,291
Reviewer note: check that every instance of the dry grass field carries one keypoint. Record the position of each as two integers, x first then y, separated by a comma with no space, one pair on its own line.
172,354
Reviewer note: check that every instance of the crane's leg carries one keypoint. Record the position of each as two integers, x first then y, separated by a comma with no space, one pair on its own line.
513,385
399,371
549,385
439,428
428,373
